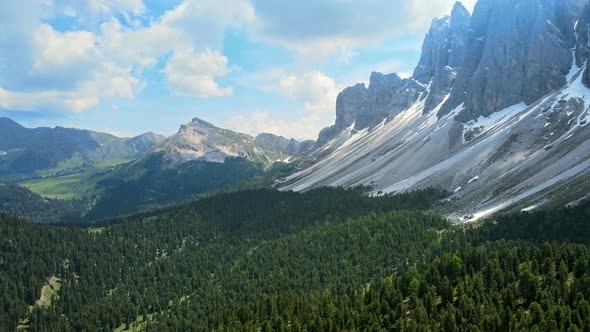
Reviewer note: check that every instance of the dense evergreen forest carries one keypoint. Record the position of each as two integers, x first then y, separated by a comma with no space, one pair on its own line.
150,181
22,202
325,260
140,187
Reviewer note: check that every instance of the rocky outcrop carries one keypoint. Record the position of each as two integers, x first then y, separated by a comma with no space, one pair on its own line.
520,57
389,95
360,107
272,142
299,148
582,37
582,54
508,52
442,55
351,103
281,145
143,143
130,148
381,93
203,141
515,51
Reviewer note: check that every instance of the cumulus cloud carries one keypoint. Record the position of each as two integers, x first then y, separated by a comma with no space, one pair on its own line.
106,82
92,11
315,90
317,29
194,74
197,24
103,57
104,53
260,121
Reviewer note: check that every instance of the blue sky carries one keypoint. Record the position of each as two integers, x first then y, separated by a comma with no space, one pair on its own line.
132,66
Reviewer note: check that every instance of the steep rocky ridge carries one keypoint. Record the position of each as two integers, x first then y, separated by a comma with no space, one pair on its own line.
26,151
498,122
201,140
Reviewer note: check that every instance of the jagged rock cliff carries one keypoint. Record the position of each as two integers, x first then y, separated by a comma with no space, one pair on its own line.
496,114
515,51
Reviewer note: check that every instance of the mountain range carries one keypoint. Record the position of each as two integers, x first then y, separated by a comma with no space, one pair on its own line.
26,152
495,115
110,176
201,140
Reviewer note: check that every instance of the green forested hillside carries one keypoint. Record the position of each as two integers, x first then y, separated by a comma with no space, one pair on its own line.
136,187
21,202
150,182
325,260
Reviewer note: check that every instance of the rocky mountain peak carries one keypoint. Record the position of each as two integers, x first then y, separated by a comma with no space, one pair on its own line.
459,13
6,123
515,51
350,104
197,122
379,81
443,54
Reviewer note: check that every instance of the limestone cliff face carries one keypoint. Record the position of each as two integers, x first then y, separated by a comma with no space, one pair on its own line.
389,95
386,97
443,55
515,51
497,113
507,52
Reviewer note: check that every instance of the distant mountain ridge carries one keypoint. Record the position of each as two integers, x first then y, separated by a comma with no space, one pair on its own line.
201,140
24,151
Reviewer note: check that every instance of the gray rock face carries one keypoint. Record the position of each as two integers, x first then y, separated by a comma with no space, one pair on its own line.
515,51
389,95
509,51
386,97
404,97
442,54
382,89
201,140
582,34
130,148
583,43
326,135
272,142
143,143
281,145
350,104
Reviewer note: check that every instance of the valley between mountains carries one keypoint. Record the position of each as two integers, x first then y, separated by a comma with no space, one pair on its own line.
495,115
454,199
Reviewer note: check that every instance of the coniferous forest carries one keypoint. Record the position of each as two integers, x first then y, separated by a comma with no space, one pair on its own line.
325,260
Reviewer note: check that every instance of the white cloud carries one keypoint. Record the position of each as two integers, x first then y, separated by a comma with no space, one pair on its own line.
267,122
115,132
194,74
197,24
317,29
60,60
42,68
92,12
314,90
56,49
106,82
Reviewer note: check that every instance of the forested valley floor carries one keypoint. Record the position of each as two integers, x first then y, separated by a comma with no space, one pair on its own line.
325,260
